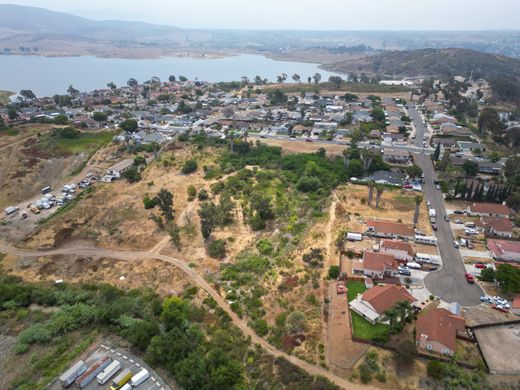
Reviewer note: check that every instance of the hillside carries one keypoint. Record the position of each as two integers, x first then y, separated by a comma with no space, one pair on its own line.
431,62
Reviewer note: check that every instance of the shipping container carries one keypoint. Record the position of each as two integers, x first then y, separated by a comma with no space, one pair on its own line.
89,375
122,378
354,237
140,377
72,373
108,372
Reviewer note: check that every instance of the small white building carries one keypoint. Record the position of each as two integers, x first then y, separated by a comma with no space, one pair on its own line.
117,170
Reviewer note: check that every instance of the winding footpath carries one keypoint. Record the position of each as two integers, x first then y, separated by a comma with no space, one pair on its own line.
199,280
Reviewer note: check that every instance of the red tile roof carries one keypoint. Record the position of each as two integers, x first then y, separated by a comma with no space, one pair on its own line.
378,261
489,208
398,245
440,325
498,247
391,228
382,298
498,224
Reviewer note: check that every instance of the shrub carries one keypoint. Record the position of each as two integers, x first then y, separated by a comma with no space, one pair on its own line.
296,322
217,249
132,174
189,166
203,195
260,327
149,203
308,184
334,271
436,369
192,192
264,247
365,374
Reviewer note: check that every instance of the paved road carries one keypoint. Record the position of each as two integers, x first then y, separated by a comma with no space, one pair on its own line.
449,282
198,279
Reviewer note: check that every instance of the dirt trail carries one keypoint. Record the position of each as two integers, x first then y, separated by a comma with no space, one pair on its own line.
183,266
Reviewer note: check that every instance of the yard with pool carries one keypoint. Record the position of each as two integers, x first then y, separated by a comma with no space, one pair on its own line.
361,328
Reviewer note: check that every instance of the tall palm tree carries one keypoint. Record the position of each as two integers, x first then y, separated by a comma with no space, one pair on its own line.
346,157
371,185
379,191
391,316
418,201
403,308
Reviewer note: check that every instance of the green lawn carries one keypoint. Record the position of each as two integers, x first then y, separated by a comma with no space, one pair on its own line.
355,288
364,329
86,142
361,327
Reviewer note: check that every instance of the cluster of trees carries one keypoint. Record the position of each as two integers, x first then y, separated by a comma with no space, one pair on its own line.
494,193
171,333
358,162
506,275
213,215
66,132
277,97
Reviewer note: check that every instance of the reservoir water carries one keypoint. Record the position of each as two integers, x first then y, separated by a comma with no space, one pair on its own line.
47,76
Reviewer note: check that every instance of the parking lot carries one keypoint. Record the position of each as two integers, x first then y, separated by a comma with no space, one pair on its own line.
127,361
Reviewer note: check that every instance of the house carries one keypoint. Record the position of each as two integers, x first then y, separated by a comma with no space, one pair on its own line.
372,304
444,142
387,177
489,210
501,227
470,146
379,265
489,168
389,229
515,306
392,137
396,156
504,250
117,170
436,331
399,249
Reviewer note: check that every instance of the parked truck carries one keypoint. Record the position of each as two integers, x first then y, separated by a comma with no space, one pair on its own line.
108,372
121,379
73,373
89,375
140,377
431,212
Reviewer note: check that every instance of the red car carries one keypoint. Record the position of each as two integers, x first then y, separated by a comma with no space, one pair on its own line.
480,266
434,227
308,140
500,308
469,278
408,187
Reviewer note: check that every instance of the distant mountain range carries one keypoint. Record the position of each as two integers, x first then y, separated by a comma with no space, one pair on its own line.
432,62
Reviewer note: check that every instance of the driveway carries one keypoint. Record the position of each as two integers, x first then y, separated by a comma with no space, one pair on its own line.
472,253
448,283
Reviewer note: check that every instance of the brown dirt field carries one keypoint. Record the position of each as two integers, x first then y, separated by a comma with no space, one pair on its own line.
305,147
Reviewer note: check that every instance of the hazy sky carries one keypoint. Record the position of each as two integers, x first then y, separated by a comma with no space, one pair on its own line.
301,14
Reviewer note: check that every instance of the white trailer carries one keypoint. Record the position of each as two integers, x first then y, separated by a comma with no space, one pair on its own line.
413,265
72,373
431,212
109,372
422,257
140,377
11,210
354,237
428,240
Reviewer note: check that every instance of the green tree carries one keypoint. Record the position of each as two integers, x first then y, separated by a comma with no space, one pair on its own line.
182,79
334,272
189,166
217,249
437,153
132,83
336,80
414,171
12,113
296,322
377,114
192,192
132,174
470,168
129,125
508,277
488,274
99,116
355,169
165,203
350,97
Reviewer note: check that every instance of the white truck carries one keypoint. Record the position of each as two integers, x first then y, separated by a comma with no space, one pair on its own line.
109,372
140,377
431,212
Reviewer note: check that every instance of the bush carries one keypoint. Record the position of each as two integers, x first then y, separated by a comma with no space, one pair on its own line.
334,271
264,247
149,203
308,184
435,369
365,374
260,327
296,322
488,274
132,174
217,249
189,166
192,192
203,195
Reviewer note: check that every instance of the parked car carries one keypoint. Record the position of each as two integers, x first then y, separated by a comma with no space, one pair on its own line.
480,266
470,232
308,140
459,212
446,218
458,222
408,186
469,278
404,271
428,203
434,227
485,298
470,245
500,308
456,244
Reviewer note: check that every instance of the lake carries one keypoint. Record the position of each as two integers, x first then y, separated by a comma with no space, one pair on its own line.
47,76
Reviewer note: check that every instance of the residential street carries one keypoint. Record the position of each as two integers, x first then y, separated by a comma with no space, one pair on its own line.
449,282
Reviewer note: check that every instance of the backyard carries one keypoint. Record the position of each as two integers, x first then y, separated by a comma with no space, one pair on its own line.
360,327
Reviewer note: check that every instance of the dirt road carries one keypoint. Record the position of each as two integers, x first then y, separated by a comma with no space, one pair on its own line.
248,332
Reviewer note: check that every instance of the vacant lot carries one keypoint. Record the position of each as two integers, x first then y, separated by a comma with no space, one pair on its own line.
85,142
499,345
